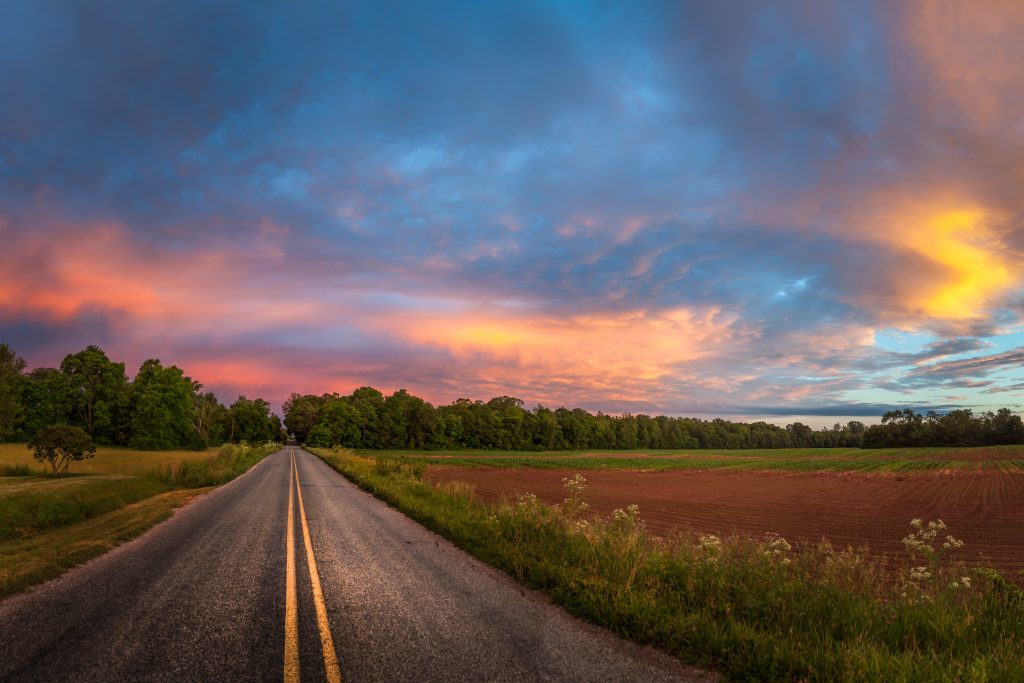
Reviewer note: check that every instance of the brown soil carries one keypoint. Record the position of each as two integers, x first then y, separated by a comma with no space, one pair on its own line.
983,508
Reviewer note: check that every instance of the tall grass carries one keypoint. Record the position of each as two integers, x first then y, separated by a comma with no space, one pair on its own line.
749,607
33,503
24,514
233,460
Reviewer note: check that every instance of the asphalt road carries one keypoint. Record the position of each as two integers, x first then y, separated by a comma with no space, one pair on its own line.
292,573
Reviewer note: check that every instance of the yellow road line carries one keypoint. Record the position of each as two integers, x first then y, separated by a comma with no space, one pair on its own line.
291,609
326,642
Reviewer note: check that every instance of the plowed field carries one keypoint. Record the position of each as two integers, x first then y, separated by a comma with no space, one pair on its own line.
984,508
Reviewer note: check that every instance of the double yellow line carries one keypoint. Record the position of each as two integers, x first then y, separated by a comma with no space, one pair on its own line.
291,615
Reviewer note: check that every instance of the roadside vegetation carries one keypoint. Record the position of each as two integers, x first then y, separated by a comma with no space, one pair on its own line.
48,524
752,608
160,408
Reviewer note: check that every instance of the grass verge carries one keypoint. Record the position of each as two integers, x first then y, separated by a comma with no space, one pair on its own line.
28,561
49,524
750,608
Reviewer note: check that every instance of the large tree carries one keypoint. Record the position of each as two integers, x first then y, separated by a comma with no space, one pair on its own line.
252,421
46,400
207,415
162,408
97,388
11,386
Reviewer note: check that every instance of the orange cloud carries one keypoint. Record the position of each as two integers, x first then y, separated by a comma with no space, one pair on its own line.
613,351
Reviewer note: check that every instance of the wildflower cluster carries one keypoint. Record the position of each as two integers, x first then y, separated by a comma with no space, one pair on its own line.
709,546
526,500
776,548
921,543
574,486
627,515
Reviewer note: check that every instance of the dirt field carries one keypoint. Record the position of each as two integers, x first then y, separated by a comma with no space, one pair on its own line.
983,508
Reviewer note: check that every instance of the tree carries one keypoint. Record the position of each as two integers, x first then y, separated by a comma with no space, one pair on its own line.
301,414
11,384
60,445
206,410
95,384
162,409
319,437
251,421
46,401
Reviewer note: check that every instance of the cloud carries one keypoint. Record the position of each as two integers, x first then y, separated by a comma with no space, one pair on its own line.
671,208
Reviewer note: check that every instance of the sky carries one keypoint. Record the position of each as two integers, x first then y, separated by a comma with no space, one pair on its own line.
690,208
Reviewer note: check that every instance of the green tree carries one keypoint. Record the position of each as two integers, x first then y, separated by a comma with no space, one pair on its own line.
96,388
319,437
60,445
251,421
12,383
207,415
162,407
45,396
301,414
341,420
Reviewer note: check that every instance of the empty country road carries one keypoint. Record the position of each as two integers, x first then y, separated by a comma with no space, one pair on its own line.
292,573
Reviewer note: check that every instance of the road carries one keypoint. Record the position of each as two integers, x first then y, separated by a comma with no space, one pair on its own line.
292,573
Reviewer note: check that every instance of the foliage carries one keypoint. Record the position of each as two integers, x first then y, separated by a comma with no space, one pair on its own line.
161,408
368,419
756,609
96,391
11,407
251,420
61,445
902,428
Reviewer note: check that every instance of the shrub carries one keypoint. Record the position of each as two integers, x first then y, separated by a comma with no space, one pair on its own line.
60,445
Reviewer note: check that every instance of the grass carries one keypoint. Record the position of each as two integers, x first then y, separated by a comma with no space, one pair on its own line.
42,556
32,504
751,608
108,460
48,524
1006,458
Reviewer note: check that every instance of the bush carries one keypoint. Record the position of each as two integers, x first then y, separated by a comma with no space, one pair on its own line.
60,445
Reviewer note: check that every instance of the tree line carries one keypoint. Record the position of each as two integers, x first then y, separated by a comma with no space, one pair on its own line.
367,418
161,408
954,428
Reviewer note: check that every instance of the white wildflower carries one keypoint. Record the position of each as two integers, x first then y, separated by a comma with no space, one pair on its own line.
575,485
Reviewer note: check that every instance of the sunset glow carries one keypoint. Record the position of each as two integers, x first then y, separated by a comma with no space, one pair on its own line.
683,209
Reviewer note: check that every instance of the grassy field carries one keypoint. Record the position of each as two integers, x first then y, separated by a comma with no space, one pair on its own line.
1008,458
752,608
48,524
107,460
